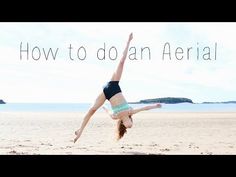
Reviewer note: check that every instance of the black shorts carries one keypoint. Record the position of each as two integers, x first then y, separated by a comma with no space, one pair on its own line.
111,89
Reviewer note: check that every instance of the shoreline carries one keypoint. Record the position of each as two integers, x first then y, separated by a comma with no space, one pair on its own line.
181,107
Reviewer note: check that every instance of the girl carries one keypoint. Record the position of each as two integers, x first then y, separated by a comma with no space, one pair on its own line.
112,92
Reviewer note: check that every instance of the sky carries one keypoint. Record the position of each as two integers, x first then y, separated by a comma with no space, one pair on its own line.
63,80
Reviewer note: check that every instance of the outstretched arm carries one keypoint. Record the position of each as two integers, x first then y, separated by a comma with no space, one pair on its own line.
117,74
145,108
132,111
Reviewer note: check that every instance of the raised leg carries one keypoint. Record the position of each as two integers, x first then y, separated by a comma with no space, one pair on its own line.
119,70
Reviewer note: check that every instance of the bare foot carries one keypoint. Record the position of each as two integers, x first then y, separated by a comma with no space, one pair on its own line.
76,139
78,134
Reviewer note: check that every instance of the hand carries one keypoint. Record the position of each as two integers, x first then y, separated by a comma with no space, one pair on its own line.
78,134
114,117
105,109
158,105
130,37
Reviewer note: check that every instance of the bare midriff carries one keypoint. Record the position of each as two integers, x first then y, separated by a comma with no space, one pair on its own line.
117,99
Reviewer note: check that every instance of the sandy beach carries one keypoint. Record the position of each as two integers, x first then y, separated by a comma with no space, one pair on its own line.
152,133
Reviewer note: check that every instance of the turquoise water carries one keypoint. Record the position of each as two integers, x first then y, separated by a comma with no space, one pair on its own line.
81,107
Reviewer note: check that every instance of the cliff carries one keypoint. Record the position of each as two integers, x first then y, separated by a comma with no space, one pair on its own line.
167,100
2,102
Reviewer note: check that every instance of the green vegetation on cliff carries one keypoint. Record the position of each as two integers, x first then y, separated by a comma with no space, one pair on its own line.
167,100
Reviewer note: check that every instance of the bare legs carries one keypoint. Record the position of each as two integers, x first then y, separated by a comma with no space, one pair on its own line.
101,98
98,103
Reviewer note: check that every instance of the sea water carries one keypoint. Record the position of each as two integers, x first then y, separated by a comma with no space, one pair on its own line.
83,107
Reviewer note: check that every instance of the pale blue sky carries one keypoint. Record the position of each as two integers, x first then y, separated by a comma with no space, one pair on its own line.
64,80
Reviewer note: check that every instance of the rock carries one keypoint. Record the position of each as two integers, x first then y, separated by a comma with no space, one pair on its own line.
167,100
2,102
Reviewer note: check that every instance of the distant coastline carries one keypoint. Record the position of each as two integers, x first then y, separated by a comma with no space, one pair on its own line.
2,102
176,100
167,100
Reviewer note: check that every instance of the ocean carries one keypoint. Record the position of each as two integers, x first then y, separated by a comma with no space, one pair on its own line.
83,107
